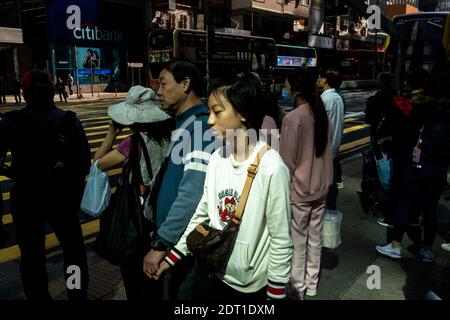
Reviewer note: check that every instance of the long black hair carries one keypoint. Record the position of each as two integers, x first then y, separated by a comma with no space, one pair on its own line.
160,131
303,84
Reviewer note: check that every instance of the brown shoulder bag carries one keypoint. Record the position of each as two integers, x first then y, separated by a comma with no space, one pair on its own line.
213,247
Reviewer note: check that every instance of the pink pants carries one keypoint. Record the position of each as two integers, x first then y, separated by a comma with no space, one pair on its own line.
306,231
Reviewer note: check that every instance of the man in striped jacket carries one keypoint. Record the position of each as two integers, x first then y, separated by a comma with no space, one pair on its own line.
183,172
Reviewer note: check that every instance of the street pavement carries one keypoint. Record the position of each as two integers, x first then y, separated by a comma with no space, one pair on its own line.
343,275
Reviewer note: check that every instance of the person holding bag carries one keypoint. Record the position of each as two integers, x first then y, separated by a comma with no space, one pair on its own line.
97,192
151,136
259,264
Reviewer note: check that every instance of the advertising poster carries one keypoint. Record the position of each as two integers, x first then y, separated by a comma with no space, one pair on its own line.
88,58
108,64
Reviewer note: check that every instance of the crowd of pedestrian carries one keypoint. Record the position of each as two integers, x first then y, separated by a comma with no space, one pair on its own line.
190,166
15,88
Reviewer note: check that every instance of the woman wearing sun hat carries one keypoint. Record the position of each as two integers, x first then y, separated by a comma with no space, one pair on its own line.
140,113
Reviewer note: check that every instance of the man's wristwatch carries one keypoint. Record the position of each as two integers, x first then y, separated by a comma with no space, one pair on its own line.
157,245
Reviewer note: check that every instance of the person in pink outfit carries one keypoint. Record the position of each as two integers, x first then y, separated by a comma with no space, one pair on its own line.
305,147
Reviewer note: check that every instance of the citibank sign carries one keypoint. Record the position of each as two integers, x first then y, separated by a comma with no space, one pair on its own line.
87,31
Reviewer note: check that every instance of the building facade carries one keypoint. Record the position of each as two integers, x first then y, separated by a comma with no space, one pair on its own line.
94,40
11,41
280,20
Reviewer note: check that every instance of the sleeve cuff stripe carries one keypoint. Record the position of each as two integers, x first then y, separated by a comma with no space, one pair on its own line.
276,291
274,284
177,253
277,297
171,258
170,262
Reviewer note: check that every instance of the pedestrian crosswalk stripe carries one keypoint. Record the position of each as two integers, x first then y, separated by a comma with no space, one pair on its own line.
94,119
85,123
353,144
110,173
355,128
13,252
96,128
89,112
101,139
7,217
91,134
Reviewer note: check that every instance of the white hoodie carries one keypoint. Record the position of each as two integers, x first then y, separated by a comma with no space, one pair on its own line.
263,249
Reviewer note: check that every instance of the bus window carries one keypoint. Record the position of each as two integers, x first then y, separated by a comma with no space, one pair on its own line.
288,58
233,53
424,49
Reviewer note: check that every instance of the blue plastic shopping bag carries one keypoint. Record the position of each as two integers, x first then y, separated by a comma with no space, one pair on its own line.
384,168
97,192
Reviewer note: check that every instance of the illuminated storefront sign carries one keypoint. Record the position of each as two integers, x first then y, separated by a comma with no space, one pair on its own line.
287,61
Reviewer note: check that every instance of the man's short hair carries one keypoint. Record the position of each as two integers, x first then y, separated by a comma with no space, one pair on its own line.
37,86
333,78
181,70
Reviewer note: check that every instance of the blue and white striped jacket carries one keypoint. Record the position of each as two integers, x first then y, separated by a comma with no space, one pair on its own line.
184,178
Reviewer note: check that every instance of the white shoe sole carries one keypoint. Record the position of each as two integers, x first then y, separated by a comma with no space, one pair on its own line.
386,253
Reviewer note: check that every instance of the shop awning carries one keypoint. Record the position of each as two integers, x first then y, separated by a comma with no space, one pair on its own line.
11,35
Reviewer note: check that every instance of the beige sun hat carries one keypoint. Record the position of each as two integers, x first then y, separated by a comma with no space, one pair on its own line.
139,107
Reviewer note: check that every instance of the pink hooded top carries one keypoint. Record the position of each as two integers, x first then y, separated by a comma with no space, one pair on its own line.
310,176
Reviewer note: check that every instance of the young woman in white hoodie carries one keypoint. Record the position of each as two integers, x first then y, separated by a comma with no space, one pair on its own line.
259,266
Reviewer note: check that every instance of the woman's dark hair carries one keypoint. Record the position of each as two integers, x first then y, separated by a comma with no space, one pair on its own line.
181,70
303,83
245,95
160,131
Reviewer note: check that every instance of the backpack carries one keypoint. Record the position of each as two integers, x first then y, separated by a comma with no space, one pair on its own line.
50,149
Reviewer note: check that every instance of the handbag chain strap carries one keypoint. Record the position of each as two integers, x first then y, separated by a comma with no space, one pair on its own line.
251,173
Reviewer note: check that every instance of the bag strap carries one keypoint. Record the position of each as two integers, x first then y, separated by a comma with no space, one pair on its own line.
146,155
251,173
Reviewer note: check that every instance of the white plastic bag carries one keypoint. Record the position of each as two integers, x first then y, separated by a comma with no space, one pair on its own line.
331,230
97,192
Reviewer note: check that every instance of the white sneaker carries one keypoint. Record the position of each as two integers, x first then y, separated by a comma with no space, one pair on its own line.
388,250
445,246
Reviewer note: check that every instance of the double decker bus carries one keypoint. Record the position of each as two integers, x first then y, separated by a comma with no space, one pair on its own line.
231,53
288,58
424,47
